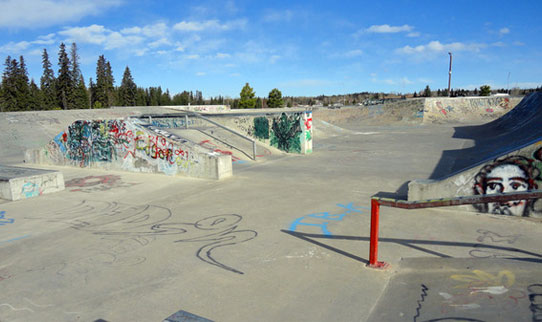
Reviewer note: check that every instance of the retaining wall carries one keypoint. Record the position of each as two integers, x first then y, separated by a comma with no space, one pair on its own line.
128,144
290,132
467,109
516,167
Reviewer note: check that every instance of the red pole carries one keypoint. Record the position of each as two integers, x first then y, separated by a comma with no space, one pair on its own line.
373,246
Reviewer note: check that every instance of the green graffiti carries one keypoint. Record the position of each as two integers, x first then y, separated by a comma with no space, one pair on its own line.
308,136
261,128
286,133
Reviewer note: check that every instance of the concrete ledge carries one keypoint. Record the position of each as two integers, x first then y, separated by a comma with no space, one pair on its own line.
20,183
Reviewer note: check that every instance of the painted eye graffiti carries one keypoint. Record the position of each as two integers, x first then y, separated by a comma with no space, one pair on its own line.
495,186
517,185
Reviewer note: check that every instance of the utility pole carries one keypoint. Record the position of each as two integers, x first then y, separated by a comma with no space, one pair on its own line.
450,75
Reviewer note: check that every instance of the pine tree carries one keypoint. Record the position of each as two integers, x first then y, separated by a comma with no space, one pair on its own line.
275,99
64,84
247,97
47,83
104,93
35,100
23,86
8,101
79,97
128,89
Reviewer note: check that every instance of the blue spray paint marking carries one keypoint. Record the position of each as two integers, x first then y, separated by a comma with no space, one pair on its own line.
30,190
3,220
326,218
239,162
14,239
59,140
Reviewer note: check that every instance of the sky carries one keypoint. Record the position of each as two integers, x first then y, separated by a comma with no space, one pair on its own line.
303,48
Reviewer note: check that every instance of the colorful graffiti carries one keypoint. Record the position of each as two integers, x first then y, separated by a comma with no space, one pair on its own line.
261,128
323,219
87,142
286,133
510,174
31,189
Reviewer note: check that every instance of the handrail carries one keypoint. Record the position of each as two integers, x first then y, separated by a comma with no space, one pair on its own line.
376,202
227,129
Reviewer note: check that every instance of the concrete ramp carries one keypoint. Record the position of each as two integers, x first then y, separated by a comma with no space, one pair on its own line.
450,289
130,145
506,156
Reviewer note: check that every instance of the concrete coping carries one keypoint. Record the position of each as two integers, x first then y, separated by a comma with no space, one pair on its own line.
11,172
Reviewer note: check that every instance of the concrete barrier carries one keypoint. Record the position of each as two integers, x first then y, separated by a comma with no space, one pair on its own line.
284,129
467,109
21,183
517,166
130,145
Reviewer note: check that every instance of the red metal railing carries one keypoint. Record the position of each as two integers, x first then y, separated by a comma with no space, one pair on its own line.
376,202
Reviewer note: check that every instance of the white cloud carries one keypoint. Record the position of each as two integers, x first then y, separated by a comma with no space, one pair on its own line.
209,25
45,40
504,31
42,13
192,57
437,47
413,34
14,47
200,74
386,29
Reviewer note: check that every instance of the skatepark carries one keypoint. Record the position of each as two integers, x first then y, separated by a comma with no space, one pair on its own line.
271,225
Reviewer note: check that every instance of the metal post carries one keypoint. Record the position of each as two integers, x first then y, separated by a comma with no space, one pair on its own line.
373,246
450,76
254,149
186,121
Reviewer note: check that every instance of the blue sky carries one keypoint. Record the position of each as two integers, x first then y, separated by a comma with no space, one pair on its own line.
303,48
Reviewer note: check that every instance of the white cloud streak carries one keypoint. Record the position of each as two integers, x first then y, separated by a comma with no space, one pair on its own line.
438,47
30,14
209,25
387,29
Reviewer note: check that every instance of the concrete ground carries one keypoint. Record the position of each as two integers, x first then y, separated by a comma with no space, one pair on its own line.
285,239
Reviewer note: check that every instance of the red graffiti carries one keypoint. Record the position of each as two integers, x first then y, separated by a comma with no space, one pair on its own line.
215,148
308,123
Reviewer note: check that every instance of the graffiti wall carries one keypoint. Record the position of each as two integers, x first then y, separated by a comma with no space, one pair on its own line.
131,146
289,132
465,109
515,172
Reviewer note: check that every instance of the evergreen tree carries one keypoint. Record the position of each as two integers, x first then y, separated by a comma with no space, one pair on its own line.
104,93
275,99
485,90
47,83
8,101
79,98
81,94
247,97
64,84
35,101
127,90
427,91
23,86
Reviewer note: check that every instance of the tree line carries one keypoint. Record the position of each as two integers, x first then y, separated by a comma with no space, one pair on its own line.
67,89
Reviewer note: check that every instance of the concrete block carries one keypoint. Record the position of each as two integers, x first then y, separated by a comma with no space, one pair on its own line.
20,183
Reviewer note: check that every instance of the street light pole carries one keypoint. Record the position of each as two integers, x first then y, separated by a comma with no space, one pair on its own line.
450,75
